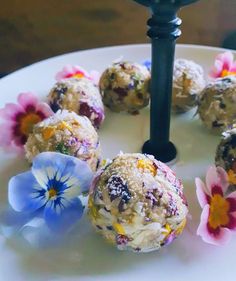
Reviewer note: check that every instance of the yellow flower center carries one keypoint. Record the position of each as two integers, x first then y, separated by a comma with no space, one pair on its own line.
219,208
231,177
147,165
78,75
225,72
27,122
52,193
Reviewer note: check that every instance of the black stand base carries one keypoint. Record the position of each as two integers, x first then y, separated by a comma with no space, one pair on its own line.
165,154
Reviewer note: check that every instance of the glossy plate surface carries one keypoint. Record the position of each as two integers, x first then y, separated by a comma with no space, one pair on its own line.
85,255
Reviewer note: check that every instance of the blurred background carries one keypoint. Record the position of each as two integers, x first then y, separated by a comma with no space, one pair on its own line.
35,30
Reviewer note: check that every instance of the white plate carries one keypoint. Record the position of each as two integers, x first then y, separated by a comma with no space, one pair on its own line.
85,255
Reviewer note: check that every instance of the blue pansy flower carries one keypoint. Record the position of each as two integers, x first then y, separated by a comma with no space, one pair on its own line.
51,189
148,64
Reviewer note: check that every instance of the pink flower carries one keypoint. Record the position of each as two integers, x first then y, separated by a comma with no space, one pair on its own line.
218,218
224,65
76,71
19,119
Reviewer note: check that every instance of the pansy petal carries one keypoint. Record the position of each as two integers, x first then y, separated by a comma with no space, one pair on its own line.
231,198
5,134
27,99
233,67
77,68
41,177
81,171
202,228
45,109
25,194
216,71
223,179
63,220
72,168
232,221
223,237
72,192
216,180
220,238
203,197
10,111
66,169
226,58
43,168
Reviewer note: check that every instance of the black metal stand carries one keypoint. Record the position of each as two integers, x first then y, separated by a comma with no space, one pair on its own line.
163,31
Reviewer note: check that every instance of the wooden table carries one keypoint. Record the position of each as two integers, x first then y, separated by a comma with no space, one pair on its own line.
34,30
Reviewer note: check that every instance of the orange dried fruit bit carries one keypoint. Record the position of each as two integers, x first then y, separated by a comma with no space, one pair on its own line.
147,165
48,133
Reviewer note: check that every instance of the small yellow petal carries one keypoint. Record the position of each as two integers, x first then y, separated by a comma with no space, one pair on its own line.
181,227
93,210
63,125
119,228
167,230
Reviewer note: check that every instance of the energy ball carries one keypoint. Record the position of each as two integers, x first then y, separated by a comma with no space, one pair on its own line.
217,104
125,87
226,154
67,133
188,82
137,203
79,95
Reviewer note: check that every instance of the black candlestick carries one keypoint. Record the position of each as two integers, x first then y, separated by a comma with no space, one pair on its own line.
163,31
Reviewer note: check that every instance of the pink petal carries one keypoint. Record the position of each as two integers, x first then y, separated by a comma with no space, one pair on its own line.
233,67
221,238
6,138
10,111
217,69
227,59
231,198
232,222
202,228
45,109
77,68
202,195
216,176
66,70
69,70
26,99
13,148
223,179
